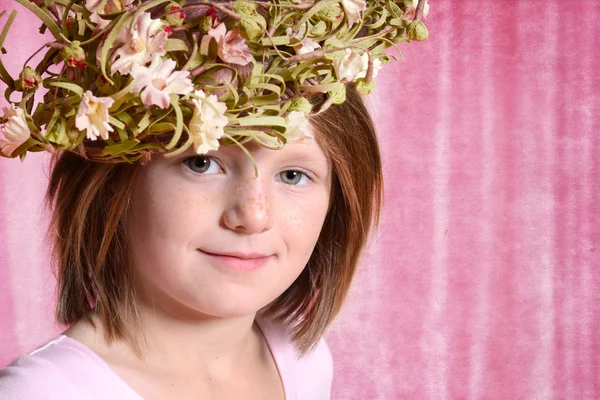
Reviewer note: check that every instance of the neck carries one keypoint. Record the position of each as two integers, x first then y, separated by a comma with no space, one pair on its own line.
207,341
207,345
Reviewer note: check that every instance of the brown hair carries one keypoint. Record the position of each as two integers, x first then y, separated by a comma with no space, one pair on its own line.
89,203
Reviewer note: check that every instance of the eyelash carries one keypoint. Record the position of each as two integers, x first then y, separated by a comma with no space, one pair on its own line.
187,161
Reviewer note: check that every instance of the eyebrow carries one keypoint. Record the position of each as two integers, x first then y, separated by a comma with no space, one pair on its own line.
308,158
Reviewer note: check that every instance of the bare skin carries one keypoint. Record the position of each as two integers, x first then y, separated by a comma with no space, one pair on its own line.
253,376
197,311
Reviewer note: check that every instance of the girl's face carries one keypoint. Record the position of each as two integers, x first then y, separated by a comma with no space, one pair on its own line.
208,237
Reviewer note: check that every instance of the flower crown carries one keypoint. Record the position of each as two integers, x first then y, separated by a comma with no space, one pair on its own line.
125,78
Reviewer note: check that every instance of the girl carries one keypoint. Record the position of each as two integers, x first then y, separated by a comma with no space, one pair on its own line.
204,236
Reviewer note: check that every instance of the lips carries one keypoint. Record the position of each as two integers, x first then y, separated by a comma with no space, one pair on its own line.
239,261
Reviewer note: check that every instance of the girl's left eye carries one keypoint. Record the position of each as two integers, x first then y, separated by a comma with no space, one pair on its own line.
202,165
294,177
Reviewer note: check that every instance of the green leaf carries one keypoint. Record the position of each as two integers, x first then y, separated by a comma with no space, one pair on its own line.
110,40
267,86
74,7
161,127
277,41
45,17
115,122
116,149
53,119
261,121
148,5
181,149
143,124
69,86
7,26
314,10
179,125
6,78
176,45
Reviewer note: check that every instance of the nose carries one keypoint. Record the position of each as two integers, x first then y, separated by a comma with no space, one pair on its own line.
249,208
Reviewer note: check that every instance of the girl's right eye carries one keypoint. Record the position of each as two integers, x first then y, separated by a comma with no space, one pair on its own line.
202,165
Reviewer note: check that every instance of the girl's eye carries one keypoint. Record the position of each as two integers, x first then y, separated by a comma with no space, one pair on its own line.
292,177
202,165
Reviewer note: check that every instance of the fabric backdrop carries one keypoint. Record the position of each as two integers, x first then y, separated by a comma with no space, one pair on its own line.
483,281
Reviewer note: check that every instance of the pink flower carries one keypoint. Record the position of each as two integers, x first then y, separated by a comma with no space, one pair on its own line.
14,130
110,7
159,81
93,116
207,123
353,9
232,47
410,11
140,43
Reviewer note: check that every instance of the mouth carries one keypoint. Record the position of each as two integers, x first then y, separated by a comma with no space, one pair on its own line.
239,261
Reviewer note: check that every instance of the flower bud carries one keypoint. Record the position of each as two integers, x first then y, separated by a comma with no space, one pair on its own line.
174,15
69,21
363,87
205,24
103,86
330,14
301,104
244,8
74,55
319,29
338,94
250,28
29,79
416,30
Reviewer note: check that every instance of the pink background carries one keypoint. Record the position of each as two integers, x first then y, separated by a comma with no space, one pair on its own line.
483,281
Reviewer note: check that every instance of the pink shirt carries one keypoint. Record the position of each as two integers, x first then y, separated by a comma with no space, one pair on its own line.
65,369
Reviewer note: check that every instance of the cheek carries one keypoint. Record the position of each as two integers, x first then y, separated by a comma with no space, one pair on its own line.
302,225
166,215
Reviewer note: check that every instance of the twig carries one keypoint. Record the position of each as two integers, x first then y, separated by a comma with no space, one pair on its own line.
304,6
419,11
36,52
198,70
217,6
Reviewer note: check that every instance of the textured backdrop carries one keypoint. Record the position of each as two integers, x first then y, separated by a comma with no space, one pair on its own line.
483,281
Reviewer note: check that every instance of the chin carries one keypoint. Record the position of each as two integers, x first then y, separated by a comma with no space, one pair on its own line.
232,310
231,306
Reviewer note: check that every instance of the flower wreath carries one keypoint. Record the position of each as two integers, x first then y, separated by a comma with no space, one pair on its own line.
125,78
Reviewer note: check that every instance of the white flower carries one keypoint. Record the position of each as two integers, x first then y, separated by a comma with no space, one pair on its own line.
307,45
14,130
159,81
353,9
298,128
353,66
206,126
411,10
110,7
140,43
93,116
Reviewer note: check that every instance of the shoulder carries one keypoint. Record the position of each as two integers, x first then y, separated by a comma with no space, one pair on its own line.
37,376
